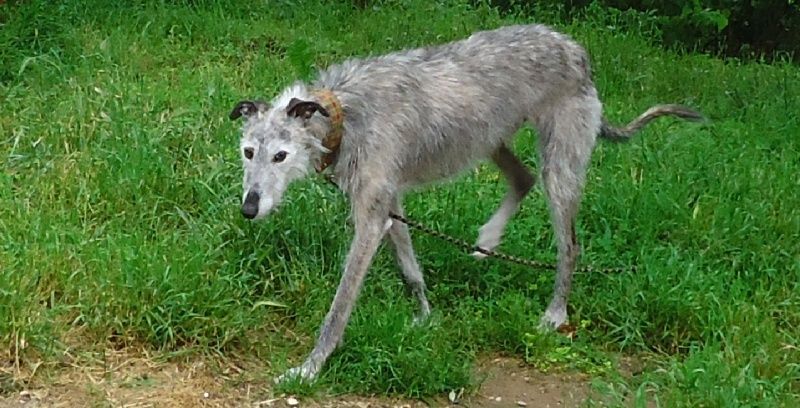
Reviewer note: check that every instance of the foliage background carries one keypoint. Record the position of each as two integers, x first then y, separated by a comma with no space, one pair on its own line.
745,28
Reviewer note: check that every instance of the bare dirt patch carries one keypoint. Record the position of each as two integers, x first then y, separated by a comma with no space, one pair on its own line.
510,382
126,380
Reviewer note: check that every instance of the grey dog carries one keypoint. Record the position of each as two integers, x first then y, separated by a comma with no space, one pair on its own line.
384,124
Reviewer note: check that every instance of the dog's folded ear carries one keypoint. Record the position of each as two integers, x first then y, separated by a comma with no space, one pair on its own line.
304,109
247,109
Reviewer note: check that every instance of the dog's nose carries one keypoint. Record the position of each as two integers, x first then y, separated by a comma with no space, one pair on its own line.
250,205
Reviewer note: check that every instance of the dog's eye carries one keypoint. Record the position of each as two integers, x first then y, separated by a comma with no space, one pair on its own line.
248,153
279,157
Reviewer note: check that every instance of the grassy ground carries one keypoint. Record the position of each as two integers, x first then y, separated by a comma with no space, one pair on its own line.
120,226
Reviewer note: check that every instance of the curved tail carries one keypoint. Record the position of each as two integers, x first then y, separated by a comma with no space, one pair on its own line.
623,134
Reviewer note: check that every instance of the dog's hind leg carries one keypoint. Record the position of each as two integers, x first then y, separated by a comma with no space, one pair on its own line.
520,181
404,252
567,139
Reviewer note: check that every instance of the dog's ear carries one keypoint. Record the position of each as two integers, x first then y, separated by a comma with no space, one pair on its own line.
304,109
248,108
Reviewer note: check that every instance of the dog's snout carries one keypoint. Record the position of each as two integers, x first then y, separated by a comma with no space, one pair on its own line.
250,205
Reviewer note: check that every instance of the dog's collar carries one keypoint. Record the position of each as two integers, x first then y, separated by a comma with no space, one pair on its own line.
333,139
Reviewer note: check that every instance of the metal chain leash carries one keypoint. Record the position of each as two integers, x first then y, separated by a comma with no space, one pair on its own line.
469,248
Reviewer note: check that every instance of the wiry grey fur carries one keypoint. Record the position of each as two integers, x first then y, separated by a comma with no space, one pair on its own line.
427,114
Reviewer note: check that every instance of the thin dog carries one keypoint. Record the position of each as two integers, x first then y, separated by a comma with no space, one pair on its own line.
384,124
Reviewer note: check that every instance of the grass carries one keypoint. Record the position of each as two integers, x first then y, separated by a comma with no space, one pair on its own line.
119,220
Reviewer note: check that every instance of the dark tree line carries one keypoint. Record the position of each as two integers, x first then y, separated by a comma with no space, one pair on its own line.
746,28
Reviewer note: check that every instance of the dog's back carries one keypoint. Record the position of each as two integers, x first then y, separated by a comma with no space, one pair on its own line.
438,109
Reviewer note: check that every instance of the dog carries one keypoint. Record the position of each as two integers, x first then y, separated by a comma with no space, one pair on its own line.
384,124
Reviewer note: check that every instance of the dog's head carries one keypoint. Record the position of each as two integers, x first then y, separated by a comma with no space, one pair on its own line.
280,143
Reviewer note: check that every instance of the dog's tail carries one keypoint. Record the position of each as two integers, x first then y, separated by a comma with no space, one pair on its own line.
623,134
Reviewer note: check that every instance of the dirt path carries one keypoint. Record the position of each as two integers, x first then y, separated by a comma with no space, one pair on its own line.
125,381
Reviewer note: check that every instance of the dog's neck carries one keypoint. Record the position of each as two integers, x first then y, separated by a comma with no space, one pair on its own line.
333,138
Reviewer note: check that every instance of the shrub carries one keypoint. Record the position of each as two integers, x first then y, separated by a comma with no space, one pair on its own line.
747,28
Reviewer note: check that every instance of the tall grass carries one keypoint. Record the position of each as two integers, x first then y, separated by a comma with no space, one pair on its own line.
119,220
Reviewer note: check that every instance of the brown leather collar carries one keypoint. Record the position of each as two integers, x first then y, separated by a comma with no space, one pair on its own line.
333,139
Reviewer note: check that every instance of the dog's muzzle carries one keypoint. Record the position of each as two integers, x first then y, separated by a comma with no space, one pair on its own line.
250,205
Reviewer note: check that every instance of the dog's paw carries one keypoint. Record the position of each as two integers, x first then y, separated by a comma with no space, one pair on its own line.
306,373
421,319
479,255
489,238
553,318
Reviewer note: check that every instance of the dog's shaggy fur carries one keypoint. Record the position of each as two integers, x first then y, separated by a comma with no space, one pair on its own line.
427,114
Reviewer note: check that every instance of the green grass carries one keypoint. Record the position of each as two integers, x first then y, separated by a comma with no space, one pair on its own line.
119,218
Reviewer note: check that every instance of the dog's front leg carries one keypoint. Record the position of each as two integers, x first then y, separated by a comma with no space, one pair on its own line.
370,216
